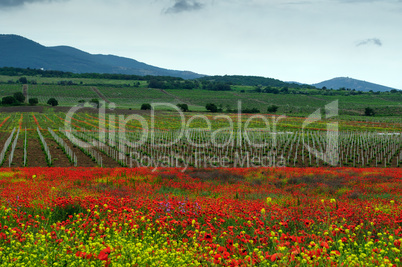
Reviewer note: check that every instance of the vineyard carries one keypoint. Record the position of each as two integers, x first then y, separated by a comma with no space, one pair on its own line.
141,140
132,93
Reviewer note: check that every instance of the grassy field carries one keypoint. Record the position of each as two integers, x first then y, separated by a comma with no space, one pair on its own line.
125,95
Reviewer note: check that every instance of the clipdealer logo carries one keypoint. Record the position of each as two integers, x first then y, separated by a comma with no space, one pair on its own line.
331,153
238,134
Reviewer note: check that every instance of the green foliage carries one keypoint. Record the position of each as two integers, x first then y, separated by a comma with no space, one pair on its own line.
19,97
120,89
33,101
252,81
53,102
369,112
23,80
146,106
156,84
172,83
81,102
215,86
251,110
272,109
95,103
62,213
183,107
9,100
211,107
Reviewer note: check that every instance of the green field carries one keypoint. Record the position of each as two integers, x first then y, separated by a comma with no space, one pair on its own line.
132,93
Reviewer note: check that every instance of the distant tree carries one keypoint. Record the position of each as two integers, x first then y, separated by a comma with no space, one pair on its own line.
229,108
23,80
221,87
9,100
211,107
369,112
285,90
19,97
95,103
258,89
33,101
146,107
156,84
251,110
267,89
183,107
81,102
272,109
53,102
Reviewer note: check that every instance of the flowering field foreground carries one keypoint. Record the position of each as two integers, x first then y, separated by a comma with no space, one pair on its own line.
202,217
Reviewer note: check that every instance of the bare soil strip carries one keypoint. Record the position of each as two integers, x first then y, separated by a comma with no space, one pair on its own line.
100,94
25,92
82,159
18,158
36,156
107,161
86,161
59,158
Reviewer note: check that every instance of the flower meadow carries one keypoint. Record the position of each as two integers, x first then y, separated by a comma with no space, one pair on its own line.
200,217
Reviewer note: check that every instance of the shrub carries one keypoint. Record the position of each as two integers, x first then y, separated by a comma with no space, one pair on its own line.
183,107
9,100
272,109
369,112
251,110
33,101
95,103
53,102
19,97
211,107
146,107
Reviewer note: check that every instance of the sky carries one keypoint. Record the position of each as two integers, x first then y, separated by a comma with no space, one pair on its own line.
307,41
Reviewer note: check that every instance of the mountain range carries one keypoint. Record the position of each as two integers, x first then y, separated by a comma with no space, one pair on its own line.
19,52
358,85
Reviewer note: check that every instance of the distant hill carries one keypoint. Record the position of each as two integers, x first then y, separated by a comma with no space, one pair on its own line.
254,81
345,82
17,51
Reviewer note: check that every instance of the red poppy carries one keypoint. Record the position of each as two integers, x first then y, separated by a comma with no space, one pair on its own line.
208,237
324,244
104,254
217,258
276,256
83,255
243,251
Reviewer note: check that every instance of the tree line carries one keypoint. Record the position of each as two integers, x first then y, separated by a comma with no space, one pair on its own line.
18,99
